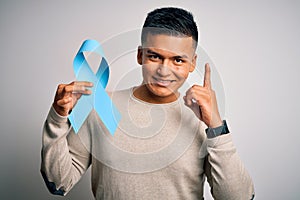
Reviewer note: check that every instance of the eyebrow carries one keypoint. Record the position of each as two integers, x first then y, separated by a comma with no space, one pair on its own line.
177,56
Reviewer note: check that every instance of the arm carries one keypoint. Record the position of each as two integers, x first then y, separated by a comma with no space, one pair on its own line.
64,158
225,172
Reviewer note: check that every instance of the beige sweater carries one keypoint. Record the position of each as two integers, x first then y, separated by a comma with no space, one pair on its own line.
159,151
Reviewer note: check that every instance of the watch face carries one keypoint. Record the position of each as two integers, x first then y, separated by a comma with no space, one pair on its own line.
225,128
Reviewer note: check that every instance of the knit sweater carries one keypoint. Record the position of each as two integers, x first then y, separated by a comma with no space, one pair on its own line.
159,151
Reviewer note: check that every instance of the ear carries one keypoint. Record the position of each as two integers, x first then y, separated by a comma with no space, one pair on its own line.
140,55
193,64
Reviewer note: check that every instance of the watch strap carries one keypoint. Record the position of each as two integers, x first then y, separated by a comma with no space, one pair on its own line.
220,130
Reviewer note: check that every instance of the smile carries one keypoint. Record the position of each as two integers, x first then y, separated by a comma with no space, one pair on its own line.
161,82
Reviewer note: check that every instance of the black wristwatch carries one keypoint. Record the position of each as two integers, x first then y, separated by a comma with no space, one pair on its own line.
214,132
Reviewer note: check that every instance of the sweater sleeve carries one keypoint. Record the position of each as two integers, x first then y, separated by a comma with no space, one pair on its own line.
226,174
64,158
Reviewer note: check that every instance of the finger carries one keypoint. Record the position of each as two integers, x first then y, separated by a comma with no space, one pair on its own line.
207,82
64,101
82,83
194,106
82,87
197,89
77,89
200,97
60,88
187,101
190,99
64,90
76,96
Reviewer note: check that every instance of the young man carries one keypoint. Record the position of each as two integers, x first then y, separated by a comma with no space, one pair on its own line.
157,149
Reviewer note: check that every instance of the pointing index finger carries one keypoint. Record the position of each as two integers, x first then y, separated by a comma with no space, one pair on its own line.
207,82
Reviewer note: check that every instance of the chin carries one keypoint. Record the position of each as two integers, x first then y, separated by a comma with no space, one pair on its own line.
161,91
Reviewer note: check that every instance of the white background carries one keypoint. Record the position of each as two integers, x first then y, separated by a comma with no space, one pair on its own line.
254,45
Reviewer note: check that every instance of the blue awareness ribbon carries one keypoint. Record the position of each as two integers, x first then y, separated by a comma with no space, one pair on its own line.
99,99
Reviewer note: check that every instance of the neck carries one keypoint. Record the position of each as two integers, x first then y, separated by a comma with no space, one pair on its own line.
144,94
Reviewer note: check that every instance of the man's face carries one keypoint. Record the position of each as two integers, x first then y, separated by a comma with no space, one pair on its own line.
167,61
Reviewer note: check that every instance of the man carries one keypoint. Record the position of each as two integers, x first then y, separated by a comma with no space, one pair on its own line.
154,153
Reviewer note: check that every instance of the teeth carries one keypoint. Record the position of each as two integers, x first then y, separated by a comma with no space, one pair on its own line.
163,81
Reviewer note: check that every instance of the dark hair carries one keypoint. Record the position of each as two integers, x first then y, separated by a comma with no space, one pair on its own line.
170,21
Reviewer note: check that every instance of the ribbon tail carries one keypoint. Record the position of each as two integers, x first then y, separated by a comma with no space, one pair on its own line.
106,110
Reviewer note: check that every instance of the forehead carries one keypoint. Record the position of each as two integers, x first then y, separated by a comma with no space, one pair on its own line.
173,44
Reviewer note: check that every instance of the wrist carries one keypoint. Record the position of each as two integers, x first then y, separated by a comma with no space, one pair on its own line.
56,117
220,130
59,111
216,123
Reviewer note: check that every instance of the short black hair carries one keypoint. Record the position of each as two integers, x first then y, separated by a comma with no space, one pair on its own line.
170,21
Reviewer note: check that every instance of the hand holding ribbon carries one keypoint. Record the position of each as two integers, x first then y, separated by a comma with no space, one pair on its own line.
96,98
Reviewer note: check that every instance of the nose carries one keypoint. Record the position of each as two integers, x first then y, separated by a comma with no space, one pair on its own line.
163,69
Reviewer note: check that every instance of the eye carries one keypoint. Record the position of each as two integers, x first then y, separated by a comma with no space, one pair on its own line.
153,57
178,60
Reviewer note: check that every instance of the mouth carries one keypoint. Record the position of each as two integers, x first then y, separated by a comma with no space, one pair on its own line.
162,82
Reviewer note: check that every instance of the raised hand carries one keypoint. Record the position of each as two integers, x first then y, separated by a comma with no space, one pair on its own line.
67,96
202,100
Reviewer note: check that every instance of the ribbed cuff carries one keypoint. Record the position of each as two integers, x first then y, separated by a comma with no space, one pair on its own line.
55,117
220,140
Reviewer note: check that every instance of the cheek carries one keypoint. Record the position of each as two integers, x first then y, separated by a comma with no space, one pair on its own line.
181,72
148,69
